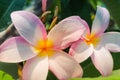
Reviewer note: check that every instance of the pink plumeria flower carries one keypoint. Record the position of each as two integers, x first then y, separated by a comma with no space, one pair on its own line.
43,51
97,44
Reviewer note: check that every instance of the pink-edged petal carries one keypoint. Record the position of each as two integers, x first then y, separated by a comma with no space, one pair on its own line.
29,26
15,49
103,61
101,21
66,31
44,2
64,66
111,41
81,51
36,69
87,31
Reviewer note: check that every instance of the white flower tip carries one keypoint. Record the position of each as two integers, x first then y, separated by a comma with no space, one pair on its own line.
104,9
105,74
14,14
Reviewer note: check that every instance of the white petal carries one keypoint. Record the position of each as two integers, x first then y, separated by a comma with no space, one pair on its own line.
36,69
66,32
29,26
103,61
81,51
64,66
101,21
111,41
16,49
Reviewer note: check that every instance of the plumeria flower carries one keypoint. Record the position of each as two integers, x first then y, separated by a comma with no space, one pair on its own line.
97,44
43,52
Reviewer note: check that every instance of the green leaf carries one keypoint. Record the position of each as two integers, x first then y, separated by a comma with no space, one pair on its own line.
51,76
9,68
90,71
116,59
114,76
114,8
8,7
3,6
5,76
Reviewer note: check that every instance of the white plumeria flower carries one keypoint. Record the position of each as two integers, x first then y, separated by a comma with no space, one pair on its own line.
43,52
97,44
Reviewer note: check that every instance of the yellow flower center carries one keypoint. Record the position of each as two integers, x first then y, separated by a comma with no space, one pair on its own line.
92,39
44,47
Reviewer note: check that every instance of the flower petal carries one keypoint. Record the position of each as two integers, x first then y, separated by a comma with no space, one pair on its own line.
44,2
29,26
36,69
101,21
64,66
87,31
103,61
111,41
81,51
66,31
15,49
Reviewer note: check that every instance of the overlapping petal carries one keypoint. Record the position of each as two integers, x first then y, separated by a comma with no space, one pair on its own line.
87,28
111,41
64,66
101,21
36,69
81,51
66,31
103,61
16,49
29,26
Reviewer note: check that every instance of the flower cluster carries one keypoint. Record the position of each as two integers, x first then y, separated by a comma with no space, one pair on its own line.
42,51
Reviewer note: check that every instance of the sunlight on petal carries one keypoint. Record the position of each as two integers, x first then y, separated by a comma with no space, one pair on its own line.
103,61
66,31
111,41
81,51
36,69
29,26
101,21
64,66
15,49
